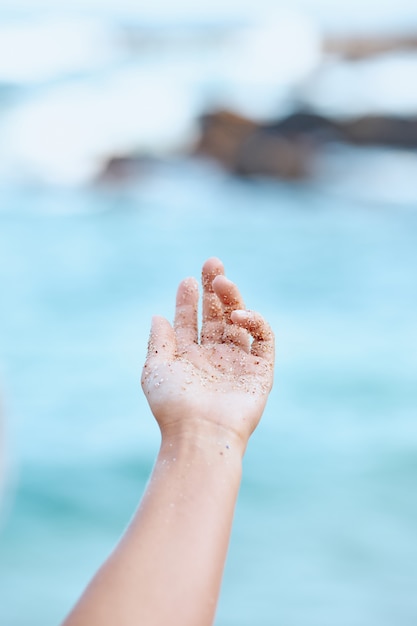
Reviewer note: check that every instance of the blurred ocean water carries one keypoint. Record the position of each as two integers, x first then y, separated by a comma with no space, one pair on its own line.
325,526
325,529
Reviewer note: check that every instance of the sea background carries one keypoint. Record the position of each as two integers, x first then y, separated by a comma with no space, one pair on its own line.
325,531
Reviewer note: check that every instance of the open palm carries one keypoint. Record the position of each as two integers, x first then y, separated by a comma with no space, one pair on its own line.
222,377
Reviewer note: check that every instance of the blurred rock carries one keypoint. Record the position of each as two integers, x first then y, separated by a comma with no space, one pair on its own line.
287,147
124,169
222,135
248,148
379,130
266,153
357,48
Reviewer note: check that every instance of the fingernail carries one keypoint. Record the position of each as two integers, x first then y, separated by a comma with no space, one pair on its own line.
239,313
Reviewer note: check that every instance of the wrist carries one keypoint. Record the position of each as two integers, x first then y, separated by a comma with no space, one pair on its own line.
204,439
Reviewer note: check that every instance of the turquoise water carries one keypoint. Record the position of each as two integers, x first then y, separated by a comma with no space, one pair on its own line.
325,528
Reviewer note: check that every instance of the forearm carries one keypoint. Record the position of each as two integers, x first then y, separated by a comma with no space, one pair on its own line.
168,566
207,392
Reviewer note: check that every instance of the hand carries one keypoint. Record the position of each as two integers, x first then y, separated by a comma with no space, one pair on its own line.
221,381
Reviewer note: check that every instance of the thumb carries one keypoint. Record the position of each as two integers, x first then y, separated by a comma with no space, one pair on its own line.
161,344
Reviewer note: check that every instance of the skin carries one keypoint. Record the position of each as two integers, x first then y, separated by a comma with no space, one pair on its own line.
207,393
